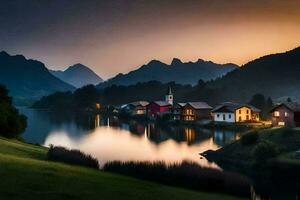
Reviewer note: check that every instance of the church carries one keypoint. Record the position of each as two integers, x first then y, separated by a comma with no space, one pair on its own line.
161,107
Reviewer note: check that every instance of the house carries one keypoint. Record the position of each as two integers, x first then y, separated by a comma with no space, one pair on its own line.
177,111
194,111
136,108
161,107
234,112
286,114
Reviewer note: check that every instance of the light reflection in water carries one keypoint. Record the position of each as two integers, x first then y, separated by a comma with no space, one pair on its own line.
110,139
107,143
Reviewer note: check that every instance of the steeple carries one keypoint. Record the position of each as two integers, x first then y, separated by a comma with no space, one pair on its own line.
169,96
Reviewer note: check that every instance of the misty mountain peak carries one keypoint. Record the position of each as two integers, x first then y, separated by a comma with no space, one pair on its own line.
78,75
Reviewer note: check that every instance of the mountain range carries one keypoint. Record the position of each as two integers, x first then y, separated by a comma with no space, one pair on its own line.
275,75
182,73
78,75
28,79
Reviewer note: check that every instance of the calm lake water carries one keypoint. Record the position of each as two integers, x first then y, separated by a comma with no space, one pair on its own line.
109,139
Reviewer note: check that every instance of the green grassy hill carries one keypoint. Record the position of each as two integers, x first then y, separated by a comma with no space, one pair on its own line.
26,174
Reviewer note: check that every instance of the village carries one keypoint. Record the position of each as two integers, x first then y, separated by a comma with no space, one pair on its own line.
283,114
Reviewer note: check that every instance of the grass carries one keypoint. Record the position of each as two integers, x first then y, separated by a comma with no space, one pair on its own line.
26,174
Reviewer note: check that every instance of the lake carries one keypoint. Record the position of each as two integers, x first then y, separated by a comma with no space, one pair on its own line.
109,139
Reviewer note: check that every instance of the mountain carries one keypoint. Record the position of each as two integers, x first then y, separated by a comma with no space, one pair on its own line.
182,73
276,75
28,79
78,75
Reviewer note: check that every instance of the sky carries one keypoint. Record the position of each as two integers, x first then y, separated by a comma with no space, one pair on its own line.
116,36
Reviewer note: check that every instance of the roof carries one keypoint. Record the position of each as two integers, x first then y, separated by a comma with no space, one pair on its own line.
199,105
139,103
162,103
232,107
181,104
293,106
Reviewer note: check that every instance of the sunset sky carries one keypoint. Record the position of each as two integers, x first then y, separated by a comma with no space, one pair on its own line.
116,36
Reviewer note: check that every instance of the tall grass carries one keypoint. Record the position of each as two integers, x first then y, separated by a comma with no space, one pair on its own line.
74,157
186,174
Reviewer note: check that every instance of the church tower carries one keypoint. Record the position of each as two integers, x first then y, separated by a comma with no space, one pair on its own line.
169,96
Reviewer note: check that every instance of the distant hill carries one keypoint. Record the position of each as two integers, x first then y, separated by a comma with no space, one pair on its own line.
276,75
28,79
78,75
182,73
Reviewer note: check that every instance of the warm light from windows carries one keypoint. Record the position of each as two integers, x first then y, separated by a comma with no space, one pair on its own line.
98,105
281,123
276,114
285,114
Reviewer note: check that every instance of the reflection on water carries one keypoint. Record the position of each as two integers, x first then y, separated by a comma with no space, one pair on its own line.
110,139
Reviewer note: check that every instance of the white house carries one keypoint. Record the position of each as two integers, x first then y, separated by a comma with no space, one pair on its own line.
234,112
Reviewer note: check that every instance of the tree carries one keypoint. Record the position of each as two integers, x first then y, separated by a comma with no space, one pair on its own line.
269,104
12,124
86,97
201,84
259,101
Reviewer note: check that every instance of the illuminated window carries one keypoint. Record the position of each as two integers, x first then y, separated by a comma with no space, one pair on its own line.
276,114
281,123
98,105
285,114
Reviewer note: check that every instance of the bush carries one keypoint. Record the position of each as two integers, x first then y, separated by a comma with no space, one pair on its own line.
74,157
264,151
12,124
187,174
250,138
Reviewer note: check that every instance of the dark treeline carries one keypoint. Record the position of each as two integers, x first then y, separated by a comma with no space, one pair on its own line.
87,96
12,124
187,174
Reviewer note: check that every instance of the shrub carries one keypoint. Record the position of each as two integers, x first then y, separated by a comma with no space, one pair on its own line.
265,150
74,157
187,174
12,123
250,138
287,132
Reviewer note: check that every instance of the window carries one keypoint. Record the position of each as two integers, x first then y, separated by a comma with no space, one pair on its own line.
281,123
247,117
229,116
224,117
218,115
240,111
247,111
276,114
240,119
285,114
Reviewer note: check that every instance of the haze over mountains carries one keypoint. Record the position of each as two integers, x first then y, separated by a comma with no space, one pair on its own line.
78,75
183,73
28,79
